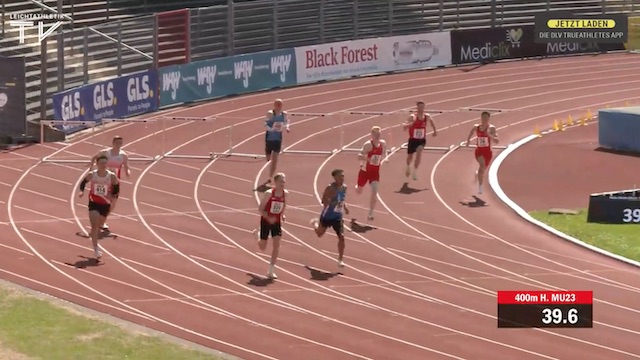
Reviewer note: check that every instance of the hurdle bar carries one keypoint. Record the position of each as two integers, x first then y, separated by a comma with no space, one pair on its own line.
463,144
344,148
133,121
51,123
311,152
446,149
170,154
483,109
109,120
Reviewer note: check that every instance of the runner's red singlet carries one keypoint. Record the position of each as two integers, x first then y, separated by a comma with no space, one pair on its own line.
100,188
374,158
483,138
275,205
418,129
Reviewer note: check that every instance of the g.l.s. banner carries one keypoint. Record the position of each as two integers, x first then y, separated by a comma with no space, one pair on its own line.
117,98
216,78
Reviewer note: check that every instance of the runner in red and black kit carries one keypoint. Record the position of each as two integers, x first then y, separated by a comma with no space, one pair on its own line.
485,134
371,156
271,210
104,187
417,126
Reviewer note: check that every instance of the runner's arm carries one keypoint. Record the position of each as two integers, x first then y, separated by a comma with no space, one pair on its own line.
473,129
94,158
408,123
83,183
284,207
433,126
327,195
494,134
362,156
267,119
286,120
385,150
115,183
263,204
125,164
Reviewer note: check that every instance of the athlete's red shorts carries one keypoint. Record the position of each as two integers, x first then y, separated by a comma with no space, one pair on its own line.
370,176
485,153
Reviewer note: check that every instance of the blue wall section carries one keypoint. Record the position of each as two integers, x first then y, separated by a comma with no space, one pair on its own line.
619,129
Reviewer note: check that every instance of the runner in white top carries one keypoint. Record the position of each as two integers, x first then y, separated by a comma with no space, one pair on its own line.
117,160
104,189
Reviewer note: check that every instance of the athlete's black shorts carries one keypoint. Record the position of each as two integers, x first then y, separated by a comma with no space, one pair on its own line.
336,224
412,145
102,209
267,229
273,146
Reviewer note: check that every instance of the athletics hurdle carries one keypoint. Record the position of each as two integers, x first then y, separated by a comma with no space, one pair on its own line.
170,155
369,115
104,122
483,109
446,149
463,144
92,125
51,123
311,116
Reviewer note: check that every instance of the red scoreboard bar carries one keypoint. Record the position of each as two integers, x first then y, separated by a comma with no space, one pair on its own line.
545,309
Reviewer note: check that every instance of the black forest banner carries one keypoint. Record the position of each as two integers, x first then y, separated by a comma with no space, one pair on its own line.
12,97
483,45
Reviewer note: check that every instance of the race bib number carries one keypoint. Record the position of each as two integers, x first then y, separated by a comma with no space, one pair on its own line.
418,133
339,207
277,126
276,207
100,189
483,141
375,160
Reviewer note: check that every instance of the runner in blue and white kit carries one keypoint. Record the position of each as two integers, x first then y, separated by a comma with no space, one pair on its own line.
334,206
276,122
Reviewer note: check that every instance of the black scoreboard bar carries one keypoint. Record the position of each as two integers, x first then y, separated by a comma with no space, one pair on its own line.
545,309
619,207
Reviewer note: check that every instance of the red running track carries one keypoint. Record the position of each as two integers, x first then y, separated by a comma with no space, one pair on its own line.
420,280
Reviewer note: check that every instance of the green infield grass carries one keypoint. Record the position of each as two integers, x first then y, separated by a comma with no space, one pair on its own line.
34,328
623,240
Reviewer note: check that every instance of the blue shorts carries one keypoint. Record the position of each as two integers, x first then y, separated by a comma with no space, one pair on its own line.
333,222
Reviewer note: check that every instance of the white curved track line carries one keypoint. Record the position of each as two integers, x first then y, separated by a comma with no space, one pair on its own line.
264,260
439,197
371,85
413,228
82,284
188,258
463,254
203,171
365,303
497,189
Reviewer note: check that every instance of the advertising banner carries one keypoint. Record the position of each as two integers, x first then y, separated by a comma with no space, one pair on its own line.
633,40
13,113
483,45
117,98
227,76
369,56
568,48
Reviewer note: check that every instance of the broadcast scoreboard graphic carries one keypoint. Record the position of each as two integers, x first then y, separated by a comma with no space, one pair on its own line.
545,309
560,27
